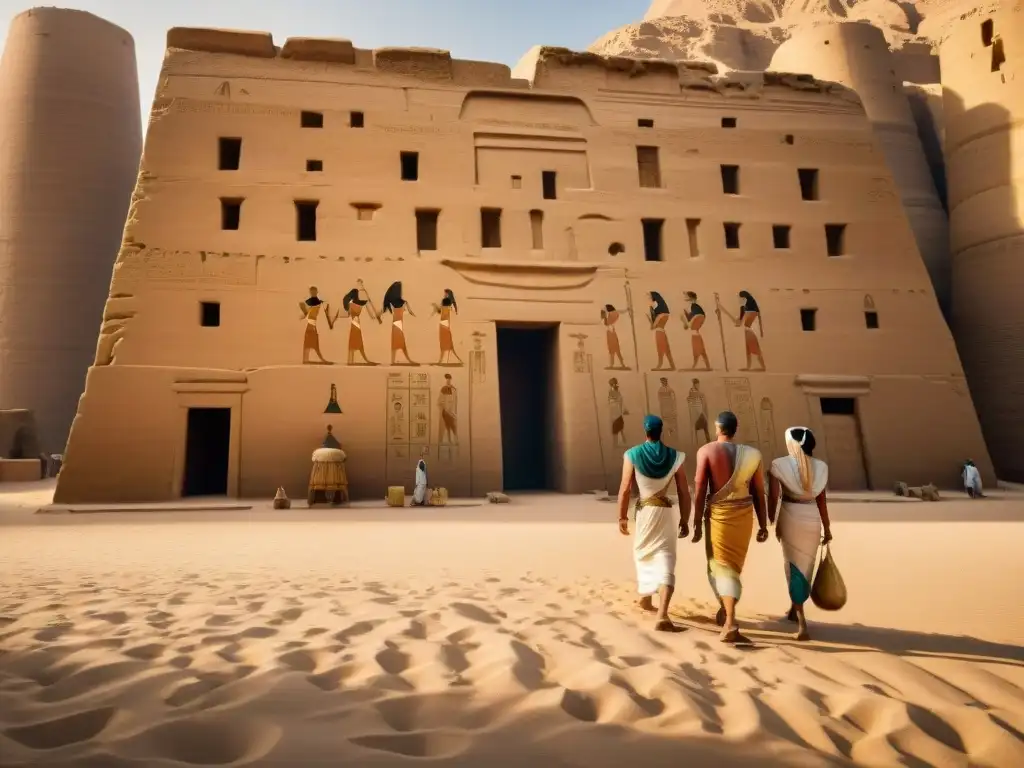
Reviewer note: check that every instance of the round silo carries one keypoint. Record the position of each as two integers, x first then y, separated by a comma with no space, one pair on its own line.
983,109
70,143
857,55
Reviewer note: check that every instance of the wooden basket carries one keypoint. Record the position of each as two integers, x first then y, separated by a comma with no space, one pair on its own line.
438,497
396,496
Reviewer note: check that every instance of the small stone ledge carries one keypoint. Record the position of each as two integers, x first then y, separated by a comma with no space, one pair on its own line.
335,50
259,44
428,63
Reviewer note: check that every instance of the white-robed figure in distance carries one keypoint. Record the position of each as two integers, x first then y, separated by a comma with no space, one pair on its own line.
972,480
419,493
799,480
654,466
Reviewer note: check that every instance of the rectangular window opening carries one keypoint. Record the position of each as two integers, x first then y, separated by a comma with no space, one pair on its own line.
356,120
365,211
780,235
987,30
305,220
311,119
730,179
871,319
426,229
808,319
732,235
692,231
998,54
645,122
229,153
838,406
410,166
537,229
230,212
517,182
728,122
209,314
490,227
835,239
788,138
314,165
648,167
652,238
808,183
548,187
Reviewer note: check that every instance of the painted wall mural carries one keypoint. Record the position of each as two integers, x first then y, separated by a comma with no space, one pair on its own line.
619,412
697,406
310,309
610,316
669,414
445,310
767,415
478,359
658,315
333,406
694,318
741,402
580,361
749,313
353,304
448,419
395,303
408,422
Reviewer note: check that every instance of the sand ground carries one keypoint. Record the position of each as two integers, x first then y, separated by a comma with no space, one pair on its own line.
496,636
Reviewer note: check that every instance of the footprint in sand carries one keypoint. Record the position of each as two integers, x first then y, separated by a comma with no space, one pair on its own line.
54,734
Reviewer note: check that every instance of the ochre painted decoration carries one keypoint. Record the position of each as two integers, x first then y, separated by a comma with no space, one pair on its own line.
610,316
659,316
617,409
749,313
697,405
768,435
448,418
395,303
353,304
446,309
477,359
332,405
579,355
310,309
741,402
694,318
669,413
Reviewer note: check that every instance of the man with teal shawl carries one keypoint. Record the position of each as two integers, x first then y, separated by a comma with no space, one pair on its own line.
653,466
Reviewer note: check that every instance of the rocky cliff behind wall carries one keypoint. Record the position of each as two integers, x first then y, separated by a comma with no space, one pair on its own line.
984,136
857,55
70,142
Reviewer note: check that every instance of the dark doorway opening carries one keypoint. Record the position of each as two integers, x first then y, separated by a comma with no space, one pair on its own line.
526,392
207,441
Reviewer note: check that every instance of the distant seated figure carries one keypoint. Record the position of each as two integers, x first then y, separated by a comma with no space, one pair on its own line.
330,441
972,480
419,494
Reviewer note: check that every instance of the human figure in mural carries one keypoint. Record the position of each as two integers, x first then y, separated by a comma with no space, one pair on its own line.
669,412
749,313
654,467
693,320
618,410
396,304
659,316
610,316
353,304
448,405
698,407
397,421
730,482
799,481
311,338
445,310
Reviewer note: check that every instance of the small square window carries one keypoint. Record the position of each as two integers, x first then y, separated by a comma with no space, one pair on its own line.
788,138
732,235
517,182
728,122
645,122
356,120
311,119
314,165
209,314
229,153
410,162
780,235
230,213
808,319
871,319
835,239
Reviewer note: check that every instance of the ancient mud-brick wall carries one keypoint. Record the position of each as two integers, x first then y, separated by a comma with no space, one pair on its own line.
373,240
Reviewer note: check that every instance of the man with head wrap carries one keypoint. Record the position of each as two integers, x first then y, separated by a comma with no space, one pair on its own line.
799,480
654,466
729,480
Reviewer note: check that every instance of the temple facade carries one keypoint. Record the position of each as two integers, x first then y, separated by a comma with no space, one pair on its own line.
503,271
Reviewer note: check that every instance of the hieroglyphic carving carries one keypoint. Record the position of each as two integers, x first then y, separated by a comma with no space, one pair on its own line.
446,310
658,315
408,422
618,412
419,408
447,419
333,406
310,309
232,108
768,436
579,355
749,313
477,359
693,320
224,89
697,406
669,414
610,316
741,402
420,129
880,190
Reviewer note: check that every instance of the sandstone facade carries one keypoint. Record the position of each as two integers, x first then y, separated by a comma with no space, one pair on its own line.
550,255
70,141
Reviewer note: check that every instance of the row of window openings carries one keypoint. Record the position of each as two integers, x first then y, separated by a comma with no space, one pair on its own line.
809,319
490,229
649,170
209,317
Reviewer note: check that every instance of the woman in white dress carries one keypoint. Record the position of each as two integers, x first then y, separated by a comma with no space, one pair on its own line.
799,481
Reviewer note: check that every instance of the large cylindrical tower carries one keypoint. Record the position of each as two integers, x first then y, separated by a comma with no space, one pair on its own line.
983,107
857,55
70,143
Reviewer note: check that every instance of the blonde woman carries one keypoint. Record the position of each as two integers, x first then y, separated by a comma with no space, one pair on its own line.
799,480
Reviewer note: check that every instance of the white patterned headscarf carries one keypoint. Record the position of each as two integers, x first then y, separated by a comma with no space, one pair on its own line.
803,461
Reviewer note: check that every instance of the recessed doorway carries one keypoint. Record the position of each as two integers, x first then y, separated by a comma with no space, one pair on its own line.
527,394
207,444
847,469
